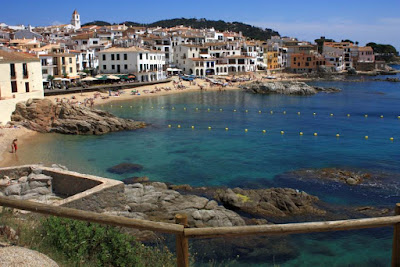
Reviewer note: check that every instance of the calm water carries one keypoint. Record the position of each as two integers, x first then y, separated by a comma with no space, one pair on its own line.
234,157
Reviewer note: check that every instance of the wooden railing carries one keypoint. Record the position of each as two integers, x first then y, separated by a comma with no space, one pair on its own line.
183,233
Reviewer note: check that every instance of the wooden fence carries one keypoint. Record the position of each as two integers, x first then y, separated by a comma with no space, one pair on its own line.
183,233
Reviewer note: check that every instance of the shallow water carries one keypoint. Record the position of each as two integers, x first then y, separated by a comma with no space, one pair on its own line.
233,157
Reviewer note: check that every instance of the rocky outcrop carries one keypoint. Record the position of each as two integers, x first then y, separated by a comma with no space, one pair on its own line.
348,177
285,88
125,167
156,202
276,202
44,116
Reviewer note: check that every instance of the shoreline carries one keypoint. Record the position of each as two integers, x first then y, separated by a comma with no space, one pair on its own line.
7,135
150,90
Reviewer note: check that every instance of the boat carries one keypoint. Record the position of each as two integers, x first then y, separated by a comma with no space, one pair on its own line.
187,77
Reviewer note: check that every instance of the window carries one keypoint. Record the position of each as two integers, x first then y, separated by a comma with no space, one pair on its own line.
84,42
27,87
44,71
147,56
117,56
104,67
125,56
113,67
70,60
104,57
95,42
126,66
12,71
140,56
70,69
14,87
63,60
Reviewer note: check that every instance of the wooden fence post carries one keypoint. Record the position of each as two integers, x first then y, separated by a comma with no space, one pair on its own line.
182,244
396,240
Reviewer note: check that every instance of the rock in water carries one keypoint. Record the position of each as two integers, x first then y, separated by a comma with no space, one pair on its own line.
125,168
279,202
285,88
44,116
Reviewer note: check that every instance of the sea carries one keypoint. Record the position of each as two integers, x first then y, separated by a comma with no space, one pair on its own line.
239,139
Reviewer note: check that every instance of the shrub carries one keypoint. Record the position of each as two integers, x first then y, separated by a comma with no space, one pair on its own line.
100,245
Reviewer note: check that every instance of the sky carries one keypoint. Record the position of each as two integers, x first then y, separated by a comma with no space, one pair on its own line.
358,20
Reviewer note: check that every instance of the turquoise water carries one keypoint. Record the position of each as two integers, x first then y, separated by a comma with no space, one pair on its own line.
234,157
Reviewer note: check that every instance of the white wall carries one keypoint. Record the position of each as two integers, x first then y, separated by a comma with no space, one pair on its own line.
7,107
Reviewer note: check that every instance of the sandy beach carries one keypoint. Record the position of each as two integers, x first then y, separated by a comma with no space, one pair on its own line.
7,135
160,90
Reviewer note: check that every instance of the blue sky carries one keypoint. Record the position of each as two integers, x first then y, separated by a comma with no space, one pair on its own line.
359,20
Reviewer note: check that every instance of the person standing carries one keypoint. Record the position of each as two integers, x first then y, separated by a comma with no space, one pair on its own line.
14,146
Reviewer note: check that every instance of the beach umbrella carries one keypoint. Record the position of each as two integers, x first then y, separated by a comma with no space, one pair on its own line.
57,79
112,77
88,79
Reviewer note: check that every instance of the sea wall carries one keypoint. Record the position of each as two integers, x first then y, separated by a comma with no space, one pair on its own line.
79,191
7,106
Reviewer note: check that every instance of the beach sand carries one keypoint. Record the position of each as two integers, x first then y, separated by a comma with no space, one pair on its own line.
7,135
144,91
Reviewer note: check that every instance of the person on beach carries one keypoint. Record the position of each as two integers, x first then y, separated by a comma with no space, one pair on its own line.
14,146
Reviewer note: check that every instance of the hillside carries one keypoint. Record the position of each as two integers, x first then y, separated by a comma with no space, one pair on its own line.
250,31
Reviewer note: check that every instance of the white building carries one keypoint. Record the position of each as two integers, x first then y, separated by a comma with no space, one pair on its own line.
20,79
146,65
213,59
76,20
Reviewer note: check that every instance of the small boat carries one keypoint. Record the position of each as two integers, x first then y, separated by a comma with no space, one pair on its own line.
270,77
187,77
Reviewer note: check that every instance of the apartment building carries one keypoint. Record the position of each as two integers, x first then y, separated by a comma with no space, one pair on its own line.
146,65
20,79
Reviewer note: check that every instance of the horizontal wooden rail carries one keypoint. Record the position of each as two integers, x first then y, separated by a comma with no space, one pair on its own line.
183,234
91,216
293,228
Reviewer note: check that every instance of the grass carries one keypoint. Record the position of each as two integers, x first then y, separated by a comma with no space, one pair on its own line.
77,243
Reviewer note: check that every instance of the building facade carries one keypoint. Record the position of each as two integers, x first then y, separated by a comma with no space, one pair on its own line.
146,65
20,79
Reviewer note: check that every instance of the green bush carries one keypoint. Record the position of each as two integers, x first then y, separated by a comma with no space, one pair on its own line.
99,245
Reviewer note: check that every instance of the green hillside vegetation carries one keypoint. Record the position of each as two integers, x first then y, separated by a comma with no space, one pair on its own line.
247,30
98,23
384,52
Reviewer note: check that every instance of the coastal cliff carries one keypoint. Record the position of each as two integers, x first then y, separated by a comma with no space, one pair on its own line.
42,115
285,88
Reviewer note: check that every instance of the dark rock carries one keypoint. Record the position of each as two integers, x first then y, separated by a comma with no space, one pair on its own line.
276,202
333,174
351,71
125,168
43,115
286,88
135,179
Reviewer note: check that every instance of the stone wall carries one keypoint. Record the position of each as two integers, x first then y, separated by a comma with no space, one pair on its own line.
80,191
